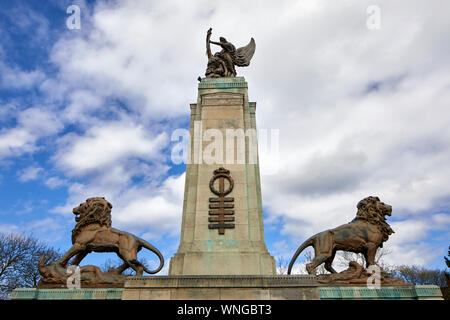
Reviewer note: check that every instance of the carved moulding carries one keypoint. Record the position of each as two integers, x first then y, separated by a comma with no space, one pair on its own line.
221,208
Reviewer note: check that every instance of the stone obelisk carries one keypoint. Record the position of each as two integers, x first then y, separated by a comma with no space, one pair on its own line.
222,230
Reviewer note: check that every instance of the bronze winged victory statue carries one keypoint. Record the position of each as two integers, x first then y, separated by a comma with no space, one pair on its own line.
222,64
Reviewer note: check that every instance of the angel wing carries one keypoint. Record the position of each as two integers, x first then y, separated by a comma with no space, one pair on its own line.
244,55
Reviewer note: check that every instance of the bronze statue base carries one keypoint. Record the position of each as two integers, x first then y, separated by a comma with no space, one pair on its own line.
357,276
90,276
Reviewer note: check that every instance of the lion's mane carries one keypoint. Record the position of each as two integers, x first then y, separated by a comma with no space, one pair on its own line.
372,210
94,210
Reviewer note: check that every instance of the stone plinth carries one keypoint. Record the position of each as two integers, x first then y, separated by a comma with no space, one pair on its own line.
222,105
67,294
221,288
419,292
230,288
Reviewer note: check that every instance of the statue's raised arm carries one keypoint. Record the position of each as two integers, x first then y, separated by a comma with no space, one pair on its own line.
222,64
208,45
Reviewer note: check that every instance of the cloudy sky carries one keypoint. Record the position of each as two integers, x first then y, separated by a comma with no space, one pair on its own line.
359,91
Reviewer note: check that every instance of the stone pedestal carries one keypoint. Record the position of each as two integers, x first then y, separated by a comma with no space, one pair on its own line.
221,288
222,116
230,288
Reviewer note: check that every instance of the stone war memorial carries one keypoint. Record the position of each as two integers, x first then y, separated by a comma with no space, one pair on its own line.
222,254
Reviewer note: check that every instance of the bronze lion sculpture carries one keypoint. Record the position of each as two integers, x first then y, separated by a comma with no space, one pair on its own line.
364,234
93,233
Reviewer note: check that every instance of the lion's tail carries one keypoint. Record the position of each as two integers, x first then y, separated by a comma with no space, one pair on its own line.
42,265
148,246
303,246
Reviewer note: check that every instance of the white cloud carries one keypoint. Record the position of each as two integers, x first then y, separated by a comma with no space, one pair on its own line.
414,230
82,103
134,61
55,182
43,225
7,110
340,141
360,112
154,210
32,124
417,253
46,229
352,105
29,174
16,141
39,121
26,20
157,212
101,147
9,228
15,78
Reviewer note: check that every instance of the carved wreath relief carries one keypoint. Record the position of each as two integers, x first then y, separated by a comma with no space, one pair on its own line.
222,207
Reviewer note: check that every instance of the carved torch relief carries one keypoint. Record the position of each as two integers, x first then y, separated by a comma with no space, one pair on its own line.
221,208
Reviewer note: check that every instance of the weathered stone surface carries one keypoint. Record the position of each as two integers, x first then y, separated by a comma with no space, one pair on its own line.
221,101
222,105
221,288
270,288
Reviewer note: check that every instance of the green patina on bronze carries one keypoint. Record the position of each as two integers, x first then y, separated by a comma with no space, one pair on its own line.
419,292
67,294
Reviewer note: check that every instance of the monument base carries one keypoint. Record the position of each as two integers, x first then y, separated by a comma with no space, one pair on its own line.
221,287
230,288
222,263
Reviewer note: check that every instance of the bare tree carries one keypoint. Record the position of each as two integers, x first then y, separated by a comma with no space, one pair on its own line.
19,256
446,291
114,264
282,265
309,256
345,257
420,275
447,261
342,260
